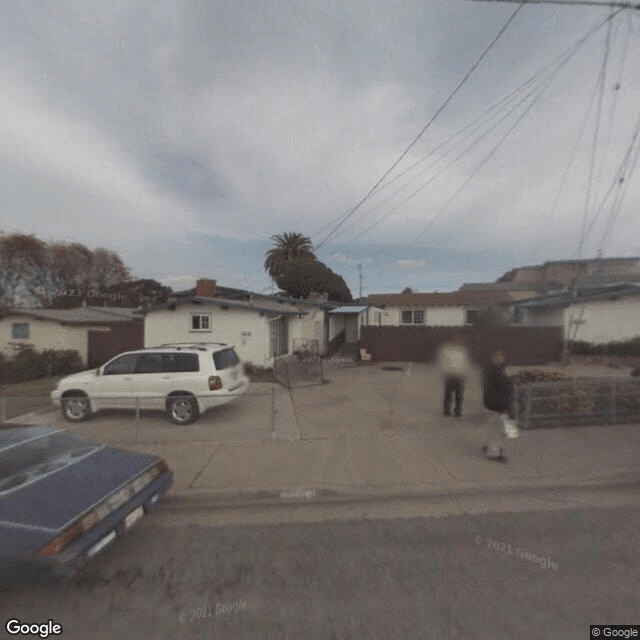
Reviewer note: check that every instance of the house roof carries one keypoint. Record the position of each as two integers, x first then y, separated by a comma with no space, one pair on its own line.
78,315
463,298
514,288
350,309
613,291
232,294
264,305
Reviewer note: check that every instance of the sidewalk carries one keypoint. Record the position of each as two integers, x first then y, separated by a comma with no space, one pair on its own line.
367,435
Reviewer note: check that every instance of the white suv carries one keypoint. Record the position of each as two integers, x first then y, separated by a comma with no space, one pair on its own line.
184,379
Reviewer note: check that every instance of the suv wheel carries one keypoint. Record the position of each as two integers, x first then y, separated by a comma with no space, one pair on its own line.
182,409
76,407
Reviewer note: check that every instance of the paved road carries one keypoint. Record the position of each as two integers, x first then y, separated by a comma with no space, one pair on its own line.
528,575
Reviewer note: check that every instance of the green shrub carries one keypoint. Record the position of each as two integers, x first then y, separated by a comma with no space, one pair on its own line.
29,364
62,362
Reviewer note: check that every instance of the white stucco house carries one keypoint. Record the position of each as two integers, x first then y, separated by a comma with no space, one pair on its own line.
261,327
448,309
594,314
74,329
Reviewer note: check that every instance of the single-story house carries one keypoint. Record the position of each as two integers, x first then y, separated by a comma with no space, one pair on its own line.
594,314
261,327
449,309
96,333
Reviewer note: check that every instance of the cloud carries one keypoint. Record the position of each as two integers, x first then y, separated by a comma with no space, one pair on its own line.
409,264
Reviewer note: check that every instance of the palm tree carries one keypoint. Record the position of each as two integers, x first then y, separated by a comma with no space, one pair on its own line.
287,247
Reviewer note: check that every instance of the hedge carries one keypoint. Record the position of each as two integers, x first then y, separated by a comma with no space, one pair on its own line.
29,364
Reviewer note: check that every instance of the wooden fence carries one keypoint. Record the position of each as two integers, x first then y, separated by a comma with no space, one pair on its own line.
521,345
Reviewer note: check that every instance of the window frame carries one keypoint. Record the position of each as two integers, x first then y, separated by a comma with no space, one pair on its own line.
415,313
23,325
200,317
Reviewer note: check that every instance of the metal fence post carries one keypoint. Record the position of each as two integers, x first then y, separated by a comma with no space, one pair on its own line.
613,401
3,408
527,407
273,413
138,419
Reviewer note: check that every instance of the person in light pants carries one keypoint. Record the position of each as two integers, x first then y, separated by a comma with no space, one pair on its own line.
454,365
497,398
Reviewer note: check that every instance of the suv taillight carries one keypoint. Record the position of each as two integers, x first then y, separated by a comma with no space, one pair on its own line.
215,383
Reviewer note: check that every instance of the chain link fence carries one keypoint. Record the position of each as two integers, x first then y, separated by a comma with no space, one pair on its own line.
250,416
299,369
581,401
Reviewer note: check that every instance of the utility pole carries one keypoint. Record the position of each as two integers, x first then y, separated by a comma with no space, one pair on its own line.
360,278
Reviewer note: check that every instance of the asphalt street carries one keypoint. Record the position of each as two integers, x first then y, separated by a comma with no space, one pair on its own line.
545,574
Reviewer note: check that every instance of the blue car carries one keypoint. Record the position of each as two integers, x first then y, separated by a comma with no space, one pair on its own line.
64,499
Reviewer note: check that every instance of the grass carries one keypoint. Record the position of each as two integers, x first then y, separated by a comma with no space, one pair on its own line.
25,397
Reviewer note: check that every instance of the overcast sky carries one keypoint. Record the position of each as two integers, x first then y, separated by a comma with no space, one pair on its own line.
183,134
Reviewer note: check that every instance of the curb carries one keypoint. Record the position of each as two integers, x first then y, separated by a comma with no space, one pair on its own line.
241,498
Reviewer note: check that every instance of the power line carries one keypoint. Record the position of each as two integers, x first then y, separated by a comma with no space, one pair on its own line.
569,3
551,69
426,126
499,143
596,135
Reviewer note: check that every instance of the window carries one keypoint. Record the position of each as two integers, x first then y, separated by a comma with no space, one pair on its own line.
20,330
123,364
471,316
412,316
150,363
225,359
201,322
181,362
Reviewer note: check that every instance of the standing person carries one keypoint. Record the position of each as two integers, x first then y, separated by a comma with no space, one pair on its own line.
497,398
454,366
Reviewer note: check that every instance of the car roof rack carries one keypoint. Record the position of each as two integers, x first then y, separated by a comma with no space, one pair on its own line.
189,345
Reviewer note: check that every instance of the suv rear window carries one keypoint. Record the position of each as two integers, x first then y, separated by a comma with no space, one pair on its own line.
225,359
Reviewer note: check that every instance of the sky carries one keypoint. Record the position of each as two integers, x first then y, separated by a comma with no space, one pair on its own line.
184,134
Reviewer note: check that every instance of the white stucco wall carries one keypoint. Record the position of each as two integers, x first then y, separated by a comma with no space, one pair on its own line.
163,326
434,316
46,334
309,327
445,316
605,320
336,325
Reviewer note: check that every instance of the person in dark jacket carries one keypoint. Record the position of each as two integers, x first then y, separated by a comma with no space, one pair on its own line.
497,398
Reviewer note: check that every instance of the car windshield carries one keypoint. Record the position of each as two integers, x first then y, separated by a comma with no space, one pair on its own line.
21,458
225,359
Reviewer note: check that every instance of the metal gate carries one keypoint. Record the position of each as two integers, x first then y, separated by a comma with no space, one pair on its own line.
278,336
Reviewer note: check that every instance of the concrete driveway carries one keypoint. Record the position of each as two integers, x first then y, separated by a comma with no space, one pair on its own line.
367,431
249,417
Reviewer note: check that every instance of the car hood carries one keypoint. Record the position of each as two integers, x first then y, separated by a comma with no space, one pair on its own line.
78,378
43,508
